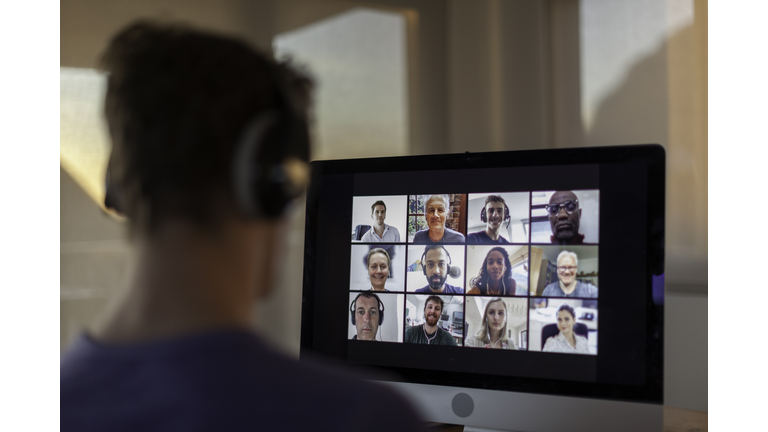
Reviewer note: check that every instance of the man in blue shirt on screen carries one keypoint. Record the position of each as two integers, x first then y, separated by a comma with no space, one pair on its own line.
436,265
209,147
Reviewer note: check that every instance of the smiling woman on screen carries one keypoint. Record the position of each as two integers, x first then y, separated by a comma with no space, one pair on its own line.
495,277
378,263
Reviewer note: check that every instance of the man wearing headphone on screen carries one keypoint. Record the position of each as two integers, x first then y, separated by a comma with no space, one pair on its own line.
210,146
436,265
430,333
367,313
494,213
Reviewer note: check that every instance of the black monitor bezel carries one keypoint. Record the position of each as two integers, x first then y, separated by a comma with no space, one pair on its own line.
651,155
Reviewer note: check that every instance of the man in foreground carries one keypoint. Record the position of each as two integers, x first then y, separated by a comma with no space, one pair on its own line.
209,147
429,333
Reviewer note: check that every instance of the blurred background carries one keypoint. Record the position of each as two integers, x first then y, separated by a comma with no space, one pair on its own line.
403,77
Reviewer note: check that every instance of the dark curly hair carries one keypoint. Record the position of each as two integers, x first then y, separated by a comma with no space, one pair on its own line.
481,281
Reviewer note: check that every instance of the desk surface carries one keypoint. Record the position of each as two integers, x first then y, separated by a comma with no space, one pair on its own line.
675,420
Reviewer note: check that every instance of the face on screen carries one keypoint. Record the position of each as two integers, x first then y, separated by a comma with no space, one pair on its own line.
565,322
432,311
496,316
565,225
494,212
436,213
379,214
436,264
566,270
378,271
495,265
366,318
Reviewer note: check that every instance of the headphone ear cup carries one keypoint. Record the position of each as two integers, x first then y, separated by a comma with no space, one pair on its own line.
482,215
352,309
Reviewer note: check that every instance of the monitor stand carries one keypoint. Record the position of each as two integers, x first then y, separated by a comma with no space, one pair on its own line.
496,410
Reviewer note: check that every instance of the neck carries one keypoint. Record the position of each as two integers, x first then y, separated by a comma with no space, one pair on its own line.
378,226
568,288
436,235
430,329
494,285
494,335
569,337
185,281
492,233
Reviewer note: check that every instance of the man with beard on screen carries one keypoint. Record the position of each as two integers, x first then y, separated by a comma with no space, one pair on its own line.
564,218
429,333
436,264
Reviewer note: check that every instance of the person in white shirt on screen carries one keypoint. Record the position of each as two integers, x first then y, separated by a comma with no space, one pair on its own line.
367,315
567,285
380,232
436,211
566,341
494,214
493,330
378,268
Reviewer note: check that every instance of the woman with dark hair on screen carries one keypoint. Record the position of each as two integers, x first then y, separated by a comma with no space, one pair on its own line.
566,341
378,264
493,330
495,276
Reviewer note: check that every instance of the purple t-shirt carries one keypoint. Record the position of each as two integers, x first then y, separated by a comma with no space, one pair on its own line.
225,380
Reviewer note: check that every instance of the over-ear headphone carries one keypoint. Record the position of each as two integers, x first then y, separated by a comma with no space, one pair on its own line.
507,217
270,159
452,271
354,304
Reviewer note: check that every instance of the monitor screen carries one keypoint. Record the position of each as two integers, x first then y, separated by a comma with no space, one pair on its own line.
531,272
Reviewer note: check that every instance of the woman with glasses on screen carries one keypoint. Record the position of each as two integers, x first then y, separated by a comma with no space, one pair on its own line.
493,330
495,276
566,341
567,284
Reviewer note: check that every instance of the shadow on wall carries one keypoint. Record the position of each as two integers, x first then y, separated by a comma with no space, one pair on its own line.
662,99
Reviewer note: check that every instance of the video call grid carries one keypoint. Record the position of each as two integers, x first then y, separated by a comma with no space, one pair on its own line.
532,301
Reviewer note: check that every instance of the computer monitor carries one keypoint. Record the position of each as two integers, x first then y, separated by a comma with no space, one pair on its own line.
554,256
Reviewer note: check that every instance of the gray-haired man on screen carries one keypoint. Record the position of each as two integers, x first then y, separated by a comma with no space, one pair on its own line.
209,147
